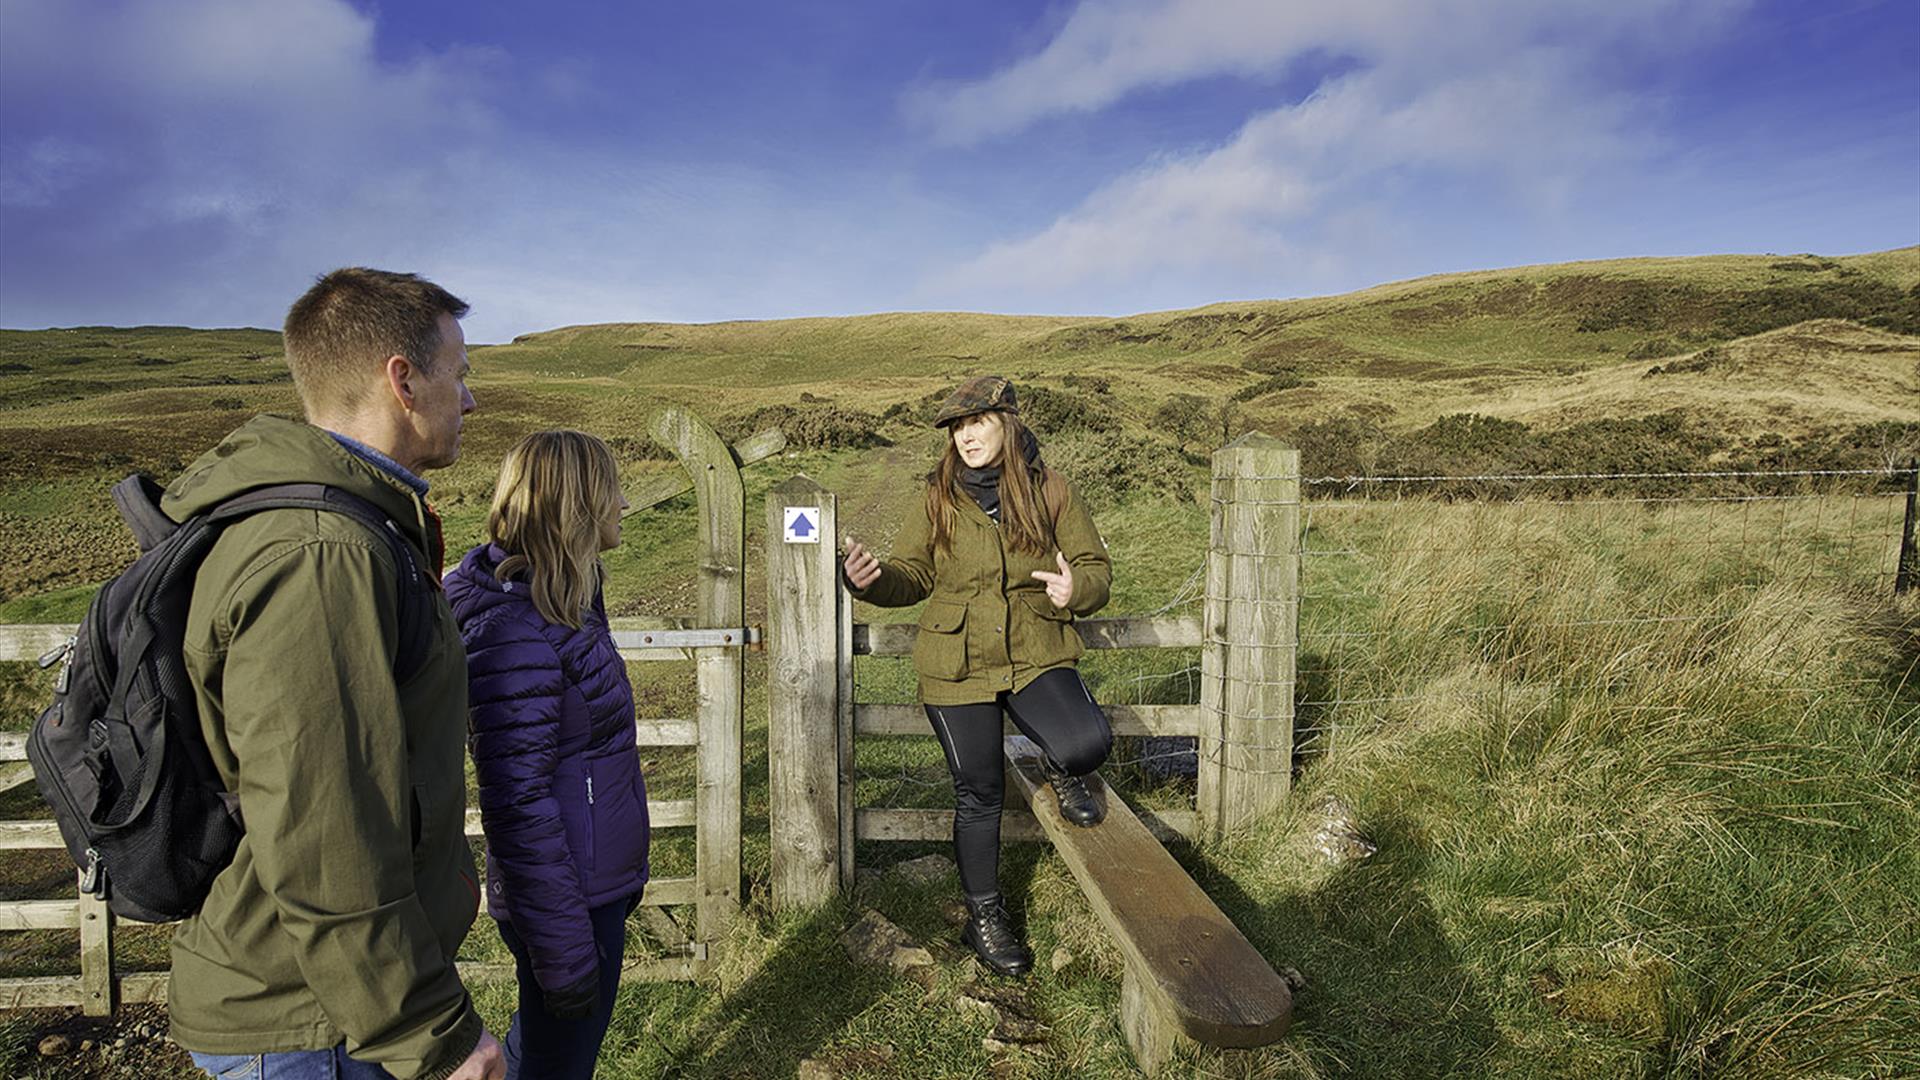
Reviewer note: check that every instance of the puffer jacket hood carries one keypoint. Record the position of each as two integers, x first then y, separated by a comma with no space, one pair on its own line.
562,800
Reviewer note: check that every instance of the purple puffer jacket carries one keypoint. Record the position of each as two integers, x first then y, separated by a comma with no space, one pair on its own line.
561,797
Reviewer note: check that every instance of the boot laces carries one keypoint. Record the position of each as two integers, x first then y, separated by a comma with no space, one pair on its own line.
991,926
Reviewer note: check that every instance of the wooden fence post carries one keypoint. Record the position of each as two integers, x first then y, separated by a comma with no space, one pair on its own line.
843,723
803,693
719,673
96,956
1907,570
1252,631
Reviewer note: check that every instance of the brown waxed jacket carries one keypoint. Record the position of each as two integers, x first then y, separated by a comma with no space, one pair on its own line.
988,624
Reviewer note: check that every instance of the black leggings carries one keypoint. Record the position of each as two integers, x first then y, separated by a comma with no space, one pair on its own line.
1055,711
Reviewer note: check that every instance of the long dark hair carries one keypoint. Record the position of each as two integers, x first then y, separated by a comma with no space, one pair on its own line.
1023,512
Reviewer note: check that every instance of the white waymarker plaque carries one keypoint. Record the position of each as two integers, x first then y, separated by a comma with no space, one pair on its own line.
803,524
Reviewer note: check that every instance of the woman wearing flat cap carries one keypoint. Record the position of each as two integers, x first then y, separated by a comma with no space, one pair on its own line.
1006,556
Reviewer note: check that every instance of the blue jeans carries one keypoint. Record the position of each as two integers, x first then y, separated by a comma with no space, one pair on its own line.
541,1046
331,1064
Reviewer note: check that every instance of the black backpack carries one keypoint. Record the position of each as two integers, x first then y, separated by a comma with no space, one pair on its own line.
119,755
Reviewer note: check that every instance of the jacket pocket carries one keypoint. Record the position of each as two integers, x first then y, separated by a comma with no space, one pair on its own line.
572,790
619,817
1048,636
940,648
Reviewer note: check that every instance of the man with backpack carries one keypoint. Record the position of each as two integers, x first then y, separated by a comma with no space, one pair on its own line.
326,948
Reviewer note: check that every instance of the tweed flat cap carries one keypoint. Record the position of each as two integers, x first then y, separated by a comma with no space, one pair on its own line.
982,393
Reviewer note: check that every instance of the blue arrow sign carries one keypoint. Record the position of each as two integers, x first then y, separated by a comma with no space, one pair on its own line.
802,524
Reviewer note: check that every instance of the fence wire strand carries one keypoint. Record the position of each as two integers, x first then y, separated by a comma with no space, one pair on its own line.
1412,599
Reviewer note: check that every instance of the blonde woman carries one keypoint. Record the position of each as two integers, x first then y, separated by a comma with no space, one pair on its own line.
1006,556
562,800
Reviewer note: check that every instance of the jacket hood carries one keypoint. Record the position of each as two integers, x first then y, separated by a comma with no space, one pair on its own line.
268,450
471,587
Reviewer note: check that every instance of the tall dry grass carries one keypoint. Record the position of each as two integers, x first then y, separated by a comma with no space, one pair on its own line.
1653,767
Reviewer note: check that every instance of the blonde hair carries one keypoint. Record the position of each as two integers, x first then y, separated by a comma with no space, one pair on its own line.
556,491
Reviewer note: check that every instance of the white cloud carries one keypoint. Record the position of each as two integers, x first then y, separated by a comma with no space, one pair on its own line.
1510,97
186,152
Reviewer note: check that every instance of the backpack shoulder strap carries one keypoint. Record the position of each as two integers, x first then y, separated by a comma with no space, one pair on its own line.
415,621
138,499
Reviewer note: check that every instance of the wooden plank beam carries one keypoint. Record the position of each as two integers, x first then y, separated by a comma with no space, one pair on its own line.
1193,969
661,814
30,836
719,673
96,956
803,708
1124,719
896,639
30,641
39,915
1018,826
660,487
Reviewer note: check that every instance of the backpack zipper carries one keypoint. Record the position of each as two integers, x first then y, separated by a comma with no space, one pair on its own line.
589,791
62,651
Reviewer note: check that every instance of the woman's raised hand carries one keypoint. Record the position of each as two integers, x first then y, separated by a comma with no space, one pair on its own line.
862,568
1060,585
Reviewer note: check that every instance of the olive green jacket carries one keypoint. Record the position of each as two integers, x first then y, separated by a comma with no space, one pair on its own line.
988,624
353,886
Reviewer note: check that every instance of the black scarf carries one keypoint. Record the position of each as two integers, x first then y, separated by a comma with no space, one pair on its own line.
984,484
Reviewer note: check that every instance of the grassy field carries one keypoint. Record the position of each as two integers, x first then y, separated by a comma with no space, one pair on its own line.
1644,775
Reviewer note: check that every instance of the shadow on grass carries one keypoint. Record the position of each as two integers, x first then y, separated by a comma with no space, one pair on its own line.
799,998
1385,993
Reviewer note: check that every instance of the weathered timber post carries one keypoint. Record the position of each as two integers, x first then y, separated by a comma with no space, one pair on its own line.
96,956
843,720
1907,571
804,765
719,671
1252,629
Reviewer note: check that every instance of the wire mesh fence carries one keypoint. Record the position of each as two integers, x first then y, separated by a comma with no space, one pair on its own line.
1426,595
1425,592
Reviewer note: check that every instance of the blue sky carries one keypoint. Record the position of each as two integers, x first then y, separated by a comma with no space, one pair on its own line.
199,161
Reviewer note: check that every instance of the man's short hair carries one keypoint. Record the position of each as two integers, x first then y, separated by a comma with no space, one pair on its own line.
341,332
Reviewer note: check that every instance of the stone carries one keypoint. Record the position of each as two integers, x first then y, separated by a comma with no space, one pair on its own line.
1295,981
1339,838
953,910
56,1046
1060,960
1014,1029
909,959
815,1070
975,1009
879,943
925,870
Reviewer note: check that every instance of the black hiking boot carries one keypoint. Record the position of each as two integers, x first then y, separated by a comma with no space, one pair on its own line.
1077,804
991,935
